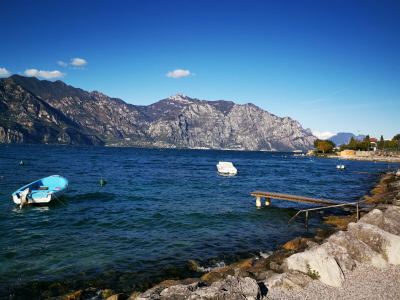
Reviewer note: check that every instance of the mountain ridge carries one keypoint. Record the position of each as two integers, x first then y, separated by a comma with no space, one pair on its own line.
342,138
31,107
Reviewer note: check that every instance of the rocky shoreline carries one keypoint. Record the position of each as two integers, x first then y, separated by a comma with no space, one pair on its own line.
334,262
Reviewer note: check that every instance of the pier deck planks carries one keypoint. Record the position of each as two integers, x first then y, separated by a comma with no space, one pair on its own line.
293,198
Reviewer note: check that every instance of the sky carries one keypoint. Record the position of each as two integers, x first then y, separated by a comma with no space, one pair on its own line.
332,65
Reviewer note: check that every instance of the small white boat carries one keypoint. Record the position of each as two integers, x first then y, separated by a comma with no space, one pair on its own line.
226,168
340,167
40,191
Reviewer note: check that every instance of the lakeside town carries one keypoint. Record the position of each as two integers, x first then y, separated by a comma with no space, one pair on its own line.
368,148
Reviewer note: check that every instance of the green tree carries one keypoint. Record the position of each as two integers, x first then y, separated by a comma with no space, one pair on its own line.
352,145
325,146
381,143
396,141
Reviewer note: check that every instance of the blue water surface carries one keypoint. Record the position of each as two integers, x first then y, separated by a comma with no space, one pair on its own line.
159,209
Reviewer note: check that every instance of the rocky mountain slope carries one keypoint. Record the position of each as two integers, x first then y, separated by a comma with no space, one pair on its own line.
40,111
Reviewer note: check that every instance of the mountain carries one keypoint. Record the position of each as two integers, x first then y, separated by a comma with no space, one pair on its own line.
342,138
40,111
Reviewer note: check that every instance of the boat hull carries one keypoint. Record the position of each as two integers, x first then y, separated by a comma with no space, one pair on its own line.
226,168
39,200
41,191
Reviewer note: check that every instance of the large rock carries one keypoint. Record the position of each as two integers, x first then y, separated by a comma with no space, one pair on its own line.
388,220
231,288
379,240
317,261
293,280
348,250
340,254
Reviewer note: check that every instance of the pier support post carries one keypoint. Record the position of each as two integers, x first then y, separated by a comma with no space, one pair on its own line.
258,201
267,201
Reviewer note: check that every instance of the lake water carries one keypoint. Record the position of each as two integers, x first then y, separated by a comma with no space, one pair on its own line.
159,209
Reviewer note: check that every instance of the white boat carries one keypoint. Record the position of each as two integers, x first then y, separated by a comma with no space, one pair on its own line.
340,167
40,191
226,168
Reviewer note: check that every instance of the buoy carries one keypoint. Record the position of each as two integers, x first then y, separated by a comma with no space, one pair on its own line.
103,182
21,163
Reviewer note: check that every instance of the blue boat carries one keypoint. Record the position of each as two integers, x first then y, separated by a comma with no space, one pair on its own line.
41,191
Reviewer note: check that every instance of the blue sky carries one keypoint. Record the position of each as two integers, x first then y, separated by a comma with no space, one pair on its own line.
332,65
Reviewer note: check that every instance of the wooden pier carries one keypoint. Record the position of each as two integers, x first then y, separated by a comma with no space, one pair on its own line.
287,197
323,203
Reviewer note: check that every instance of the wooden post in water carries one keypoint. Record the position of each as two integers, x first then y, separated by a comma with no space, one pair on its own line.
267,201
258,201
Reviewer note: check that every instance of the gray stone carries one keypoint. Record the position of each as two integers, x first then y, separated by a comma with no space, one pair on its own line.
317,260
349,249
395,184
293,280
379,240
230,288
388,220
340,254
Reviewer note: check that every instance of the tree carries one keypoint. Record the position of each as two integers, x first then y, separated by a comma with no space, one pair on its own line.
352,145
381,143
396,137
365,145
396,140
325,146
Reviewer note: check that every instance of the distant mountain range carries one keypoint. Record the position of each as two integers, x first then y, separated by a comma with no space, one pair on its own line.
40,111
342,138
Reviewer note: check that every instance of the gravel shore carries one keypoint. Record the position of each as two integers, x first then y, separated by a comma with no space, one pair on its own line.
365,282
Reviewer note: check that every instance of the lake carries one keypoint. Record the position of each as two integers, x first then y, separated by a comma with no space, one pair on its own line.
159,209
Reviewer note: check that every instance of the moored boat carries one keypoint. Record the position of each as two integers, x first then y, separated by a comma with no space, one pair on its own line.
40,191
226,168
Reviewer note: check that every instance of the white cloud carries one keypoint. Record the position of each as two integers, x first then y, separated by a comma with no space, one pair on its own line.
4,72
178,73
78,62
44,74
323,135
62,63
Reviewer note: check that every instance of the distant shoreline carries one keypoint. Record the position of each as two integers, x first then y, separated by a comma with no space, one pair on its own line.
376,158
147,147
